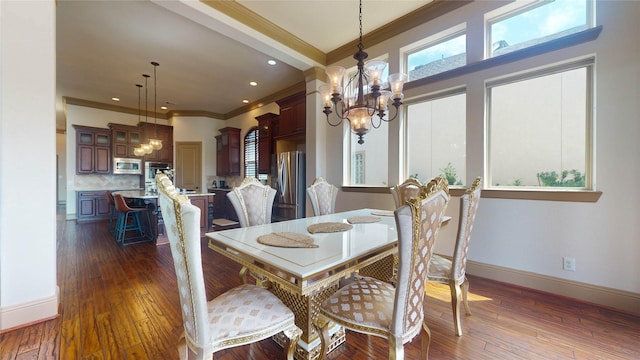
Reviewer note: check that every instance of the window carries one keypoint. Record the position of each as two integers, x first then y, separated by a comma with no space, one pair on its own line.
538,128
436,138
369,161
520,26
438,53
251,155
367,164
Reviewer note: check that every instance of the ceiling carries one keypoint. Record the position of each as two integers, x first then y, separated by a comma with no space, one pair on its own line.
208,51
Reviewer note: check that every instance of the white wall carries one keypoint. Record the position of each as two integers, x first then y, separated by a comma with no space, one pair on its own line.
28,290
532,236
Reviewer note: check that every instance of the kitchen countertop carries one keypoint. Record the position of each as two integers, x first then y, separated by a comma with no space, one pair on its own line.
141,194
220,189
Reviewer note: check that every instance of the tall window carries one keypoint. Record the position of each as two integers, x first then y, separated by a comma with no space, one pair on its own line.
251,155
436,138
518,26
367,164
538,128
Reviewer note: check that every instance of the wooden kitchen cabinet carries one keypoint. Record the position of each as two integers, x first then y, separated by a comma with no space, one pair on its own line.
266,123
93,150
124,139
228,152
293,115
91,206
164,133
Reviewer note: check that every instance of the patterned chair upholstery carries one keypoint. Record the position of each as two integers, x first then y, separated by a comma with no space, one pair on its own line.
373,307
243,315
322,196
386,269
253,202
408,189
453,272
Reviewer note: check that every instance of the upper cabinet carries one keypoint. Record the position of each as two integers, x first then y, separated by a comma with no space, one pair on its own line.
124,139
266,123
228,152
93,150
164,133
292,120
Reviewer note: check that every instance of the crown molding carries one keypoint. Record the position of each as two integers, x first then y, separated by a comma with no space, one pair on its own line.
109,107
192,113
418,17
249,18
299,87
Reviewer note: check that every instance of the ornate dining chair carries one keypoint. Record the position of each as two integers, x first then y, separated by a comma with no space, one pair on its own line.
242,315
408,189
374,307
453,272
253,202
322,196
386,268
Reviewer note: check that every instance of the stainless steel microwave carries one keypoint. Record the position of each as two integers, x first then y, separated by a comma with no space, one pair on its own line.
127,166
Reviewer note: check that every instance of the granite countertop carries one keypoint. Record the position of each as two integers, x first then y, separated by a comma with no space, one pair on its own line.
220,189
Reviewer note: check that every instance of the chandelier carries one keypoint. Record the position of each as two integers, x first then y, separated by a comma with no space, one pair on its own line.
154,143
362,97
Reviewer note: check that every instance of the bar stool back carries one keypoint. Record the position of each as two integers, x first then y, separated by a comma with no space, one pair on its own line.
129,221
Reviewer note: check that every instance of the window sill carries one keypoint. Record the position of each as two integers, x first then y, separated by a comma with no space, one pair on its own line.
548,195
515,194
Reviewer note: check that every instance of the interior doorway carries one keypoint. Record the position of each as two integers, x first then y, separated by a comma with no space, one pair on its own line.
188,165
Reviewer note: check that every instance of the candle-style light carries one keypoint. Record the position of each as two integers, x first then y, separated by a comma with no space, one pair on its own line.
362,97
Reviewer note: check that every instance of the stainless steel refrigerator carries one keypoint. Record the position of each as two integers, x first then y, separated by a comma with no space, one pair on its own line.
291,186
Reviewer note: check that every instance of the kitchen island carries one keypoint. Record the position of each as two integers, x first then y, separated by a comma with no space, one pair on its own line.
141,198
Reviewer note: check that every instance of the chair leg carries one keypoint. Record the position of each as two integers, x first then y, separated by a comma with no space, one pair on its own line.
425,341
465,297
456,298
322,326
396,348
293,334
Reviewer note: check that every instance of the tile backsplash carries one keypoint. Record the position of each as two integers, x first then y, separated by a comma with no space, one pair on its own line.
106,182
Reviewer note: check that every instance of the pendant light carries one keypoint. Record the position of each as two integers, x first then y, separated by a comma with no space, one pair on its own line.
148,149
139,151
155,143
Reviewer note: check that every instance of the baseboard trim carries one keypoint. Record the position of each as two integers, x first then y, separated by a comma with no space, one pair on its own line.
612,298
29,313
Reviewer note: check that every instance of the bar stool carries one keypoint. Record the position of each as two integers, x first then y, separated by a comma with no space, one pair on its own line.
128,221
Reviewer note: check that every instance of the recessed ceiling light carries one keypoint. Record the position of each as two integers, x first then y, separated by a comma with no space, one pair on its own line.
271,62
245,101
115,99
253,83
163,107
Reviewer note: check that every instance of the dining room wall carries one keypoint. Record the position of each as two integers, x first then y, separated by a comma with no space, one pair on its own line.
524,241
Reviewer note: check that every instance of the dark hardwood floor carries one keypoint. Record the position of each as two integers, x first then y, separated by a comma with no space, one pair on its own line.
122,303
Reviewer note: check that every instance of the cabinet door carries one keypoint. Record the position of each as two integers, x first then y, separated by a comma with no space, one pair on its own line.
264,156
85,159
102,206
102,160
86,207
134,139
203,204
300,117
286,120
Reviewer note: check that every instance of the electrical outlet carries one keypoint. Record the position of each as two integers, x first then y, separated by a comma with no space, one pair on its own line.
568,264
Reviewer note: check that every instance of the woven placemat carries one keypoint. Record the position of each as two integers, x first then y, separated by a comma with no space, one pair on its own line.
382,212
328,227
362,219
287,239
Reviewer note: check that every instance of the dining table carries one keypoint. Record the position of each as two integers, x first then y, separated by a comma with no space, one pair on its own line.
303,261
